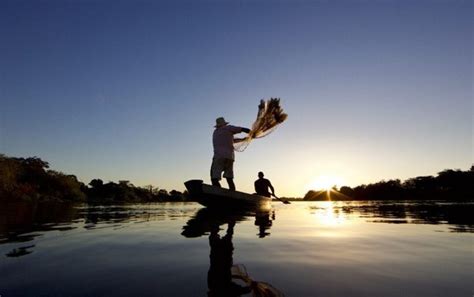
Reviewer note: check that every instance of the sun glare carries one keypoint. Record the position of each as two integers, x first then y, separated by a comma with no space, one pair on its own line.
328,215
326,182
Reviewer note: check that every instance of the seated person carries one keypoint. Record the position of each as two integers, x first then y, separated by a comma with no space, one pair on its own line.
262,185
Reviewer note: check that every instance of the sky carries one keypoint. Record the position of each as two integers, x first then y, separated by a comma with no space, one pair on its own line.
130,90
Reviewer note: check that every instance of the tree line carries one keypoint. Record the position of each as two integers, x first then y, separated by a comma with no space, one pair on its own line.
446,185
31,179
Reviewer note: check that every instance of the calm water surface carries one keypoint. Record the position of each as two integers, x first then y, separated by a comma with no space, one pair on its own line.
181,249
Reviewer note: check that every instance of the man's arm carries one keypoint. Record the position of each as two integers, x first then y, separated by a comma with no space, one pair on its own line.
235,129
271,188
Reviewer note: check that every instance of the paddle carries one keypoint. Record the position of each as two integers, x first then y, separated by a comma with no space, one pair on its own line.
284,201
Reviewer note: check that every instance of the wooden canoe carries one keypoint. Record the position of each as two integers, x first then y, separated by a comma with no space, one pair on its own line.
212,196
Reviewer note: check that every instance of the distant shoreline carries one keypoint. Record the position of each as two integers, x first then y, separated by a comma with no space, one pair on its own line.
31,180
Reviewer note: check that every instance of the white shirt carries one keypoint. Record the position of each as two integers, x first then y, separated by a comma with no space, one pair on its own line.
223,141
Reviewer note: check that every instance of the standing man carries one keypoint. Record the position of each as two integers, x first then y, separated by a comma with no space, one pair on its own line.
262,185
223,160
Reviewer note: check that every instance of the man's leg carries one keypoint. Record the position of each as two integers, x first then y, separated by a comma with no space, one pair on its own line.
230,181
216,171
229,173
215,182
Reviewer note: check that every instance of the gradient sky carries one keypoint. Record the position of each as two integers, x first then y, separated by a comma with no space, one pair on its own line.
130,90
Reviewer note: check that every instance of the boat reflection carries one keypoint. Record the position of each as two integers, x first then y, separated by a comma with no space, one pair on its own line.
206,219
225,278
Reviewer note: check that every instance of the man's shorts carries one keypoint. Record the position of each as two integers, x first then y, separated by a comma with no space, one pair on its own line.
222,164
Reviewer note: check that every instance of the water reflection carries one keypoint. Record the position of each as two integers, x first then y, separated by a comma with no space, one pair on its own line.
457,215
224,278
313,249
264,221
24,222
328,213
21,251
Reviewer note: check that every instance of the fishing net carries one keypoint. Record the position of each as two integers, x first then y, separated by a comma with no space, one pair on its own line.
269,116
258,289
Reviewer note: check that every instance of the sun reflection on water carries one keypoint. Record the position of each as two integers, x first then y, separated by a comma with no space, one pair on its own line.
328,215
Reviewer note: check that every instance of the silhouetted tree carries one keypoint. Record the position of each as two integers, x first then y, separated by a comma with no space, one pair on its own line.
348,191
448,184
96,183
30,179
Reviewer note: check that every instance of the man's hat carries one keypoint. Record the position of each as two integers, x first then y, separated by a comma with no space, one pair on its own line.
220,122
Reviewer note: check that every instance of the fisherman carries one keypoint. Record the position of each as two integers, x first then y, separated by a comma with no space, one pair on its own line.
262,185
223,160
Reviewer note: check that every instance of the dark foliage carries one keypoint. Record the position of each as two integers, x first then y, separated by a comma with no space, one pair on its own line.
447,185
30,179
124,191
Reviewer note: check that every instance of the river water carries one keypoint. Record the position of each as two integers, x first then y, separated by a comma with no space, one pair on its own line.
182,249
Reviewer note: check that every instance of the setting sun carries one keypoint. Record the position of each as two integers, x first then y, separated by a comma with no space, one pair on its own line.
326,182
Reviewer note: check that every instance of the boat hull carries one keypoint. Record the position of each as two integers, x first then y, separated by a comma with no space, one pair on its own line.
216,197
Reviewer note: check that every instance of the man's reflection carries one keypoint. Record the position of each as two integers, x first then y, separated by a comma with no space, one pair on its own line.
264,221
219,277
225,279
